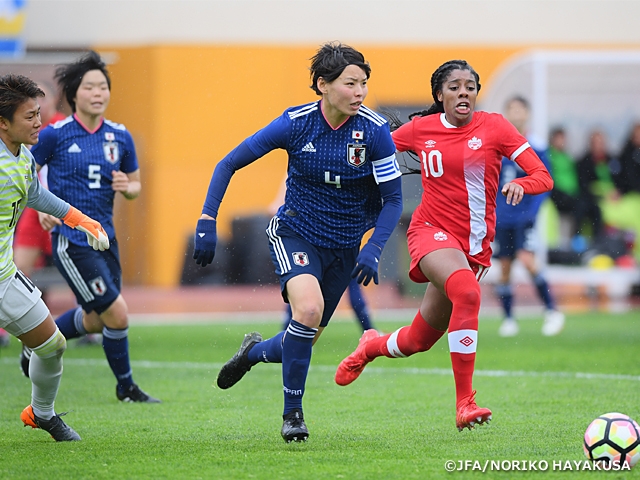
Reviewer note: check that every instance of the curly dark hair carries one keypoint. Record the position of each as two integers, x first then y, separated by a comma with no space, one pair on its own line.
70,76
330,61
437,81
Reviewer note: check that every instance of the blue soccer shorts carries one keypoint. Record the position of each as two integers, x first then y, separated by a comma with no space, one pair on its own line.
292,255
513,238
95,277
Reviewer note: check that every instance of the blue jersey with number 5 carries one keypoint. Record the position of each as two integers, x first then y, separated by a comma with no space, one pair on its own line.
332,194
80,165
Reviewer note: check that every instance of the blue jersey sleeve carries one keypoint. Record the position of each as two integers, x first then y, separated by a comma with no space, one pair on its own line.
129,161
43,151
391,192
273,136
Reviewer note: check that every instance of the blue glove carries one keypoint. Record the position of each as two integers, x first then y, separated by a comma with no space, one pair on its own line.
367,264
206,240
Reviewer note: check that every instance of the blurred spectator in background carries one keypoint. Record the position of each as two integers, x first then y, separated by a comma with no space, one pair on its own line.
598,170
516,234
565,177
630,163
569,199
621,212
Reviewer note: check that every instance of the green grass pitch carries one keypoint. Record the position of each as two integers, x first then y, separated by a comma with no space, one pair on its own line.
396,421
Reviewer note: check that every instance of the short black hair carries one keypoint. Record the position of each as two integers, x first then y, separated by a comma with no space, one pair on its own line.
14,91
520,99
330,61
557,131
70,76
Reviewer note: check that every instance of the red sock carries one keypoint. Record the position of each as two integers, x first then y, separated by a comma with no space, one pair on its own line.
463,290
404,342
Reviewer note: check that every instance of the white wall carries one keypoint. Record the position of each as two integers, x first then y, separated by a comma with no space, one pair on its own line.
78,23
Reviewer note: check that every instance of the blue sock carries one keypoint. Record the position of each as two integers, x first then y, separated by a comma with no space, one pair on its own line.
359,305
543,291
296,357
70,323
116,347
503,290
268,351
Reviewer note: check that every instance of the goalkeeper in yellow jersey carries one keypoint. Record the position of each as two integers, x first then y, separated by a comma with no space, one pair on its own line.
22,311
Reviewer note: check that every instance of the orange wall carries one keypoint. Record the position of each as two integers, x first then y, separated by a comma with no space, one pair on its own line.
188,106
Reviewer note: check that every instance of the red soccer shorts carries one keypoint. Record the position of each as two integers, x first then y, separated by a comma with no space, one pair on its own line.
424,238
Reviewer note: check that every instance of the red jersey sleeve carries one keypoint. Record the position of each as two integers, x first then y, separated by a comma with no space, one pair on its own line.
538,179
403,137
517,149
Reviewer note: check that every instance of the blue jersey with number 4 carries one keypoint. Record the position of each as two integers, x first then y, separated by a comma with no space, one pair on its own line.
332,195
80,165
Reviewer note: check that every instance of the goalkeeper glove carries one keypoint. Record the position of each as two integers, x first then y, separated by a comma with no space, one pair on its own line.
96,236
205,243
366,268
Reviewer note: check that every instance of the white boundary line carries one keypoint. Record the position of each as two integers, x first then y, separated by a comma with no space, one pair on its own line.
400,315
91,362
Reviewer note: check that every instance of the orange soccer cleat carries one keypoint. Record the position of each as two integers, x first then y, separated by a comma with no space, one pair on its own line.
58,430
351,367
468,414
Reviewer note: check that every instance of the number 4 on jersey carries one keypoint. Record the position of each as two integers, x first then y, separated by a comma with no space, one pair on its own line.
336,181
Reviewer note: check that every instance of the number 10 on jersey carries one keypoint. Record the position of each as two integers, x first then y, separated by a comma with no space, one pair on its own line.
432,163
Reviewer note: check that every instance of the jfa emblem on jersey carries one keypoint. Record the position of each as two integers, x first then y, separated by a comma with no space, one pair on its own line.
475,143
111,152
98,286
356,154
440,236
301,259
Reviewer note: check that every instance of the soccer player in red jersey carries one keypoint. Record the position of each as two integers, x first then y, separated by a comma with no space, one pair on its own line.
460,153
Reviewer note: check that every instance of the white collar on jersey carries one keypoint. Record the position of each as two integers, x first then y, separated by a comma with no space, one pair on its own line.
443,119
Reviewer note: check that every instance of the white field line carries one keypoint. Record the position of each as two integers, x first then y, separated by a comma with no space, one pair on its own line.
89,362
400,315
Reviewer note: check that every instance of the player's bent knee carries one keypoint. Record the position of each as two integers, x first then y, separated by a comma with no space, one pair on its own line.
309,315
54,347
116,316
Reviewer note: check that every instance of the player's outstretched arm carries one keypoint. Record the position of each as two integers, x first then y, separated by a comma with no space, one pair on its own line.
96,236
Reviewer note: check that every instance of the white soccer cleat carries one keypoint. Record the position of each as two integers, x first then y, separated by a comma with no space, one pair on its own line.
508,328
553,323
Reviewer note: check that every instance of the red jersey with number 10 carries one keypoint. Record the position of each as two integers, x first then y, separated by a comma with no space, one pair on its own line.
460,168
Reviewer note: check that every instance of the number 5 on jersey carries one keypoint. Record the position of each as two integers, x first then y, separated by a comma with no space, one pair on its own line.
94,176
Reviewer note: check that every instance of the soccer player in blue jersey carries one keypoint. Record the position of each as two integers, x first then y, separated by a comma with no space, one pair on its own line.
343,179
516,236
90,159
22,311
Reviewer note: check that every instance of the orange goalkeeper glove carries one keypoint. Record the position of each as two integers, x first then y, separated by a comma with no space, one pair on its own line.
96,236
